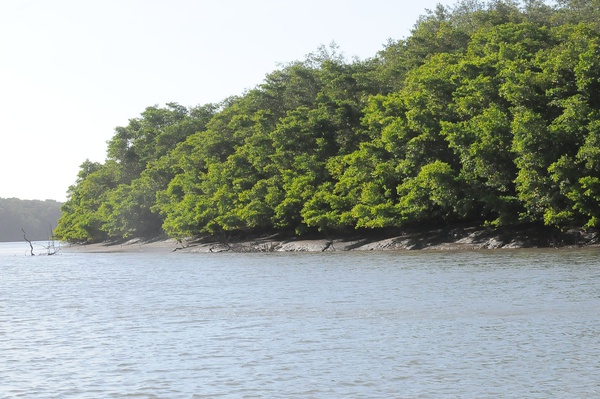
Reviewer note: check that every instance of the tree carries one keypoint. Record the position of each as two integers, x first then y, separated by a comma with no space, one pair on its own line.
80,220
486,113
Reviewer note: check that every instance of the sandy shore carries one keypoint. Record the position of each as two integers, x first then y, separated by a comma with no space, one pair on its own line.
471,238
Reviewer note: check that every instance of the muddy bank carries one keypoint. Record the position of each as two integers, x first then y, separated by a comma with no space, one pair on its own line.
463,238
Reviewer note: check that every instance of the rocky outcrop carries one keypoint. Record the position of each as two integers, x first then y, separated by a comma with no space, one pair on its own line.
465,238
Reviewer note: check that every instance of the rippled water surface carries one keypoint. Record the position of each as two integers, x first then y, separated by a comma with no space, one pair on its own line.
495,324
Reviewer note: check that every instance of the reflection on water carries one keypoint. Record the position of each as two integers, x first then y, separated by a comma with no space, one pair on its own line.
510,324
23,249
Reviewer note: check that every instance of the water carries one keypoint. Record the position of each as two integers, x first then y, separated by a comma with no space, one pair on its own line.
492,324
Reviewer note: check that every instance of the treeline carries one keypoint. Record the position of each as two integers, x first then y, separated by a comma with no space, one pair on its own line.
36,218
489,112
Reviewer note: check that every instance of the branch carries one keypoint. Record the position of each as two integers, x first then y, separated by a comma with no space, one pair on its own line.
30,244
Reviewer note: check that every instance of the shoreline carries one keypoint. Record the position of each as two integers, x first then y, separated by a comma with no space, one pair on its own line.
450,239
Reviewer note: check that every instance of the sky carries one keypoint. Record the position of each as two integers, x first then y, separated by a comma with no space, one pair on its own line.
73,70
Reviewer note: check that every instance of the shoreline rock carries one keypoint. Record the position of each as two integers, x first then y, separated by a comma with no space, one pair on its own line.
458,238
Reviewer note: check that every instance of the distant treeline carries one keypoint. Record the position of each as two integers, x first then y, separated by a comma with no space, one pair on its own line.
36,218
489,113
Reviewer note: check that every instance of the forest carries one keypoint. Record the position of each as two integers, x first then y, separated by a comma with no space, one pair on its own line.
488,113
36,219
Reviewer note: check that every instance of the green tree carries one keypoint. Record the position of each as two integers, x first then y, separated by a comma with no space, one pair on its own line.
80,220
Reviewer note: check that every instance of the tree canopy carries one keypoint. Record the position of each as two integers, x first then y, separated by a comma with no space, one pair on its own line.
488,112
37,218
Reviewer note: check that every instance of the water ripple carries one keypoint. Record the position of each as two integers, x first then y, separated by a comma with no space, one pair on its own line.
469,325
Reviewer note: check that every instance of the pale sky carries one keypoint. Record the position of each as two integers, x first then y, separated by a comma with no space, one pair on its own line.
73,70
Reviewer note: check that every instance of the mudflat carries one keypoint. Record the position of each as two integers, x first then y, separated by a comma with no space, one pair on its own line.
462,238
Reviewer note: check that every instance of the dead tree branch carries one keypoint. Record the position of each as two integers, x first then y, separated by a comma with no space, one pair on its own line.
30,244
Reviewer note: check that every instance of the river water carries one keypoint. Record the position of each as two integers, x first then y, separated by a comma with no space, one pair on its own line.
481,324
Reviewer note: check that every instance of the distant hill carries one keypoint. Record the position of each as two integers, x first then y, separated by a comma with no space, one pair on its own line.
37,218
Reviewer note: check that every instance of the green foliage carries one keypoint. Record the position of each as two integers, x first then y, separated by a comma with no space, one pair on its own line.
488,112
80,220
430,195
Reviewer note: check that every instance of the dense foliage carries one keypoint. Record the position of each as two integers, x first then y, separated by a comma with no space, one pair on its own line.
486,113
36,218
